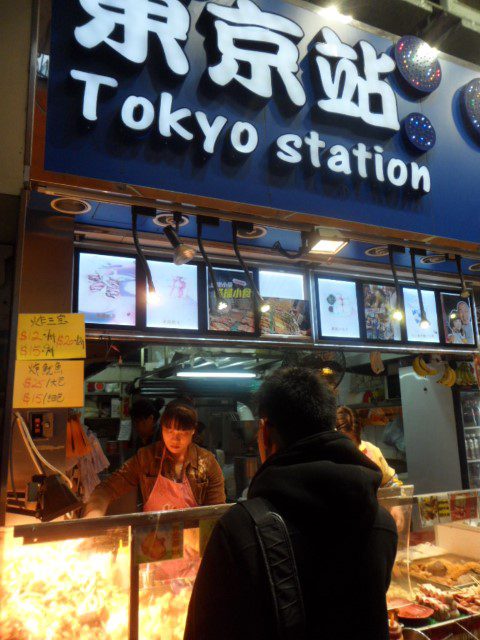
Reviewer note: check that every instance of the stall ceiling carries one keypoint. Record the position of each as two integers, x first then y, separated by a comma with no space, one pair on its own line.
115,216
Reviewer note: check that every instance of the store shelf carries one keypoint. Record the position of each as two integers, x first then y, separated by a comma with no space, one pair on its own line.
475,460
447,623
470,428
396,402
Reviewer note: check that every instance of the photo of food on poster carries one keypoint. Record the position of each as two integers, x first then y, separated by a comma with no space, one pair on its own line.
239,314
338,308
286,318
457,319
176,306
379,302
106,289
416,333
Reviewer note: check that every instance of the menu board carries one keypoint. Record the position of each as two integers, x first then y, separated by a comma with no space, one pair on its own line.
176,286
107,289
338,309
289,313
281,284
235,291
415,333
457,319
379,302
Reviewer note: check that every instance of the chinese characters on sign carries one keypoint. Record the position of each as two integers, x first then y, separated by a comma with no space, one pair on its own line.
48,384
50,336
256,50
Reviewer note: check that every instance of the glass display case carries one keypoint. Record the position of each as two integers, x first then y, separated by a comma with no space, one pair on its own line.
435,587
131,576
108,578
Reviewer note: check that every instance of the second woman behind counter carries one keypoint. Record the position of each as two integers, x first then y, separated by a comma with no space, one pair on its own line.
173,473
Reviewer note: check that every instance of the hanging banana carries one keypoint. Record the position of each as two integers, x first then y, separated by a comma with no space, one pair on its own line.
422,369
449,376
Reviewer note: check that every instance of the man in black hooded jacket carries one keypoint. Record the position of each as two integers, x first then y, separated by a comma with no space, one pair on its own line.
344,543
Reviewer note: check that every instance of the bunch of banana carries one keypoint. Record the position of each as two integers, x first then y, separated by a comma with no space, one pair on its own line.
465,375
449,376
422,369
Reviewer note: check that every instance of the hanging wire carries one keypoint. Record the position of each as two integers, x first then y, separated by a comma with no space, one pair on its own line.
244,266
423,316
211,272
143,260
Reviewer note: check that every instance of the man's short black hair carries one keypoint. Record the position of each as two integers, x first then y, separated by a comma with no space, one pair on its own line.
143,407
298,402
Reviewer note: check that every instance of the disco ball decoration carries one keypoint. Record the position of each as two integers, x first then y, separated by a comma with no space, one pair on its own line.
417,64
471,103
419,132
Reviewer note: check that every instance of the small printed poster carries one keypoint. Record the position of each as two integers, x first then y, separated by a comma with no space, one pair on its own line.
428,506
338,308
238,316
457,319
155,543
379,302
464,506
416,333
286,318
444,513
176,306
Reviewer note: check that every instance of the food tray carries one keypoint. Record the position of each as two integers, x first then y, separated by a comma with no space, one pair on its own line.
453,564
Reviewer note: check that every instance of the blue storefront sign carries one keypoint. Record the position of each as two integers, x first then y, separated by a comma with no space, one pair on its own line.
264,103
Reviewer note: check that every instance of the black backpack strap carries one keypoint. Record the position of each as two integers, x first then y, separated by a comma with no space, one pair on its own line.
275,544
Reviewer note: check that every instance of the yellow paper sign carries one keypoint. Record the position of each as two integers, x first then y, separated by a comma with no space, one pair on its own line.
48,384
56,336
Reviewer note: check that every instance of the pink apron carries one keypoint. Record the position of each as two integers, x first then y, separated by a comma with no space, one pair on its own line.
168,495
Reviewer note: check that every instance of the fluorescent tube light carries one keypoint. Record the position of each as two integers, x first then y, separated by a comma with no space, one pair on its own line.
214,374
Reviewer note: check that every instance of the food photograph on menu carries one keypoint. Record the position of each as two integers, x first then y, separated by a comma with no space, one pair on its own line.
413,319
379,302
107,289
239,314
338,308
176,303
457,319
289,313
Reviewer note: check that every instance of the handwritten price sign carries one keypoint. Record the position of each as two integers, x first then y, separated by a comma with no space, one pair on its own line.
55,336
48,384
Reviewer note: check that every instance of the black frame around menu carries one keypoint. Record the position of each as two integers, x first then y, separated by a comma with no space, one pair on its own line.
314,304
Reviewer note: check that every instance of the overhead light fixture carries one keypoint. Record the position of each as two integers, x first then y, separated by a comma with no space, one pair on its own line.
397,313
424,322
318,241
152,295
215,374
464,293
183,252
220,302
328,247
263,305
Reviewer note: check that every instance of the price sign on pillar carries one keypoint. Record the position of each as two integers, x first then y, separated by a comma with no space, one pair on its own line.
55,336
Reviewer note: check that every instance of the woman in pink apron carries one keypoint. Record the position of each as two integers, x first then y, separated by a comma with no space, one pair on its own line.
173,473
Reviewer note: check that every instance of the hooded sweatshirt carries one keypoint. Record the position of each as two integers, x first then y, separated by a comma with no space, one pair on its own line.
344,546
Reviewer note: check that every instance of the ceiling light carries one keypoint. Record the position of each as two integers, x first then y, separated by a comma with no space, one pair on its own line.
328,247
214,374
327,371
265,307
71,206
425,324
151,293
397,315
183,252
464,292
